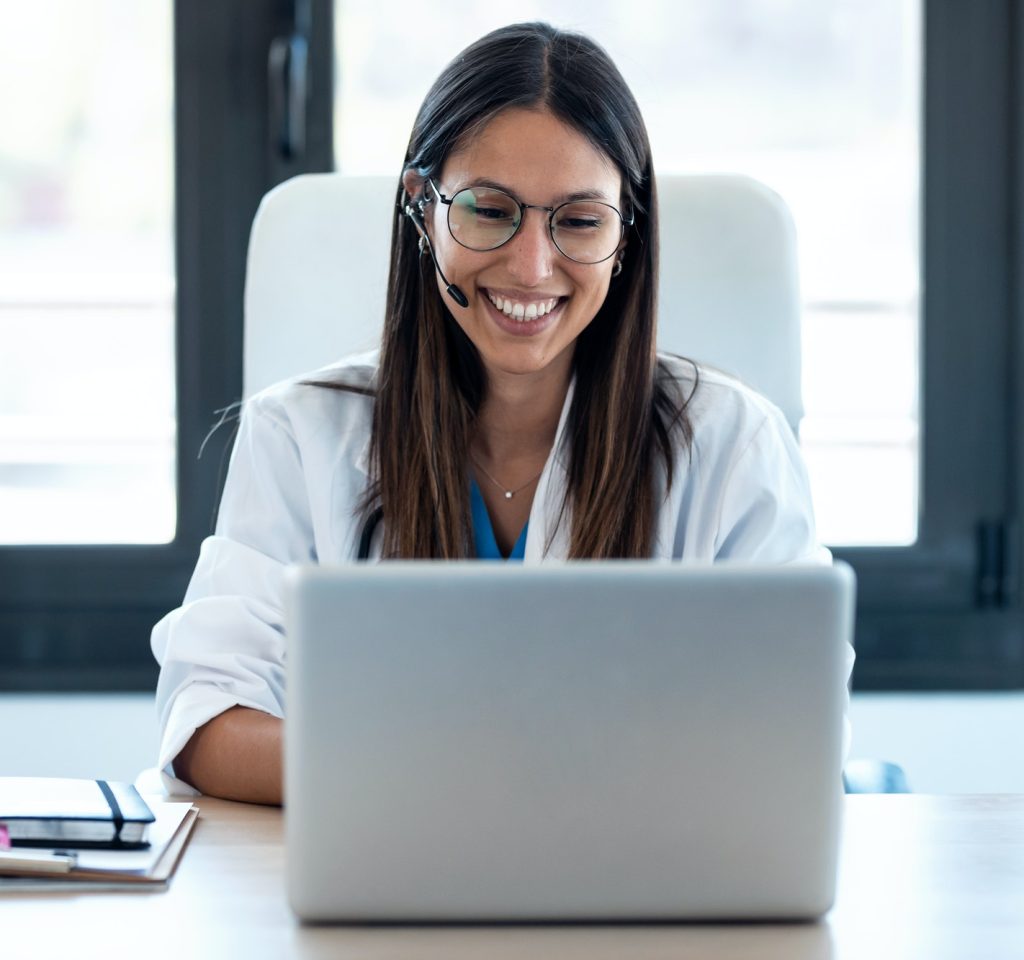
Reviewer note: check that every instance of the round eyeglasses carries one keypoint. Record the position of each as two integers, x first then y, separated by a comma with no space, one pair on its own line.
484,218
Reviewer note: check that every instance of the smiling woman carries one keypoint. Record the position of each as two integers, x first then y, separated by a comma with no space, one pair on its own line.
517,409
543,116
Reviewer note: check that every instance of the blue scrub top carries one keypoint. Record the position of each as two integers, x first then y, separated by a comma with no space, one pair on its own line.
483,532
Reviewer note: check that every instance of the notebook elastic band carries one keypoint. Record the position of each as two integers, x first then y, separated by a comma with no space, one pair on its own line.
115,809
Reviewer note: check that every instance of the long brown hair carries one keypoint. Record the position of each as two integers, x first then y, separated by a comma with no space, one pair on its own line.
431,381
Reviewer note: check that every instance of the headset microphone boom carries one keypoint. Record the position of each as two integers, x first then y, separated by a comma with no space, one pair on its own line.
417,221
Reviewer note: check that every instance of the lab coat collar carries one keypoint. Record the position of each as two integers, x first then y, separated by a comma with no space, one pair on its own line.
363,460
547,539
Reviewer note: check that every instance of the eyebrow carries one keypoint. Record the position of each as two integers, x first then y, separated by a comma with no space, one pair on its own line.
565,198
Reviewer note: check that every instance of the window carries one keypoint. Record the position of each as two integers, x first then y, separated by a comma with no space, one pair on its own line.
820,100
87,430
923,378
85,210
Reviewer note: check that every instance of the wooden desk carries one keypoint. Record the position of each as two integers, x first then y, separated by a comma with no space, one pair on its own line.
921,877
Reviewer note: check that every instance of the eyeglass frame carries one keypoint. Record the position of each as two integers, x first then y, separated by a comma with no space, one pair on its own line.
523,207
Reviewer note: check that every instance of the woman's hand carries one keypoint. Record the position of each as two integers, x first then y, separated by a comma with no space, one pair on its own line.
238,755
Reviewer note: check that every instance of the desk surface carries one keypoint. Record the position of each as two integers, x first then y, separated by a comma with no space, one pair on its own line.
920,877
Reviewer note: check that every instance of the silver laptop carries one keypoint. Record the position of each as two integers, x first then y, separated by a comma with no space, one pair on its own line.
602,741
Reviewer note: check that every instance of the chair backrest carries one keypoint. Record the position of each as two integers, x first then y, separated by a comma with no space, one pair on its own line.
729,295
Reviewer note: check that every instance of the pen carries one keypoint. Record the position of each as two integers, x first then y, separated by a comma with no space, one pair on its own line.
35,861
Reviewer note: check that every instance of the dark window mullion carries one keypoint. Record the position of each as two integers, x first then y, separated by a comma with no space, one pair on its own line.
919,621
79,617
1014,389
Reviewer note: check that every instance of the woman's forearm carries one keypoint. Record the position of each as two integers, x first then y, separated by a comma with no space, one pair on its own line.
238,755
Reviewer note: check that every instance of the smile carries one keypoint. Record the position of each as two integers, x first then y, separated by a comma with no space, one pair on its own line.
520,310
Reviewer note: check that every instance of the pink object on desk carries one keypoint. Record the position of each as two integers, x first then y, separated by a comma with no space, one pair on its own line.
5,838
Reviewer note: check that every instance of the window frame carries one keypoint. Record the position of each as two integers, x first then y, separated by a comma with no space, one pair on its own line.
79,617
926,619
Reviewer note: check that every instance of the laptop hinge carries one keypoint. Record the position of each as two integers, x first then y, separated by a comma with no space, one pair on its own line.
997,577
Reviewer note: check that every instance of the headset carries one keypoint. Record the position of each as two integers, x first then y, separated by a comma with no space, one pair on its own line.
415,214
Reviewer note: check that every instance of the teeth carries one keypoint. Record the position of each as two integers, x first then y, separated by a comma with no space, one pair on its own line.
523,312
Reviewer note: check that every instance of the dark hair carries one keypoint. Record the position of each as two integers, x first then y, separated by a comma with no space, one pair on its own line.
431,380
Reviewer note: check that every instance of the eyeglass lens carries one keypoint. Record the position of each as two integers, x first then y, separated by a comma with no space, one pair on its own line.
482,218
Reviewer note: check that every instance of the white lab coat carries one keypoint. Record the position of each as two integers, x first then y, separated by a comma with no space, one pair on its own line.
299,467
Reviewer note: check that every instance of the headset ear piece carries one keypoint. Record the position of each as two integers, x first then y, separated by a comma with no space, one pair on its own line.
416,216
415,210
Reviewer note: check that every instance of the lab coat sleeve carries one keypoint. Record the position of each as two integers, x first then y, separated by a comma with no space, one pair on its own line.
767,515
225,644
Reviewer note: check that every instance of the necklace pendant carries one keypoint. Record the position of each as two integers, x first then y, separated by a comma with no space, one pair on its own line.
508,494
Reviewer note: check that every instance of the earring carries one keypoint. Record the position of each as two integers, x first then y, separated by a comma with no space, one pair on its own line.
618,267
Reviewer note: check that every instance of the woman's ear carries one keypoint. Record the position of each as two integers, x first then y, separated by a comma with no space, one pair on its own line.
412,183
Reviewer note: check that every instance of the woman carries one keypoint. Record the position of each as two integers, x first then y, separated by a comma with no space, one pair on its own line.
518,408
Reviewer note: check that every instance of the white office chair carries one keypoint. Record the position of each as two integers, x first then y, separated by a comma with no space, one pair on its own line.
729,296
318,261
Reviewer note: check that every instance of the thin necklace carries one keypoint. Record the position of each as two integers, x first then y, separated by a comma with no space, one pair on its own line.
505,490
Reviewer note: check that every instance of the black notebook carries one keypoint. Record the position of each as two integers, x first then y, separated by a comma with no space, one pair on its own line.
56,811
